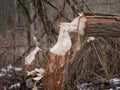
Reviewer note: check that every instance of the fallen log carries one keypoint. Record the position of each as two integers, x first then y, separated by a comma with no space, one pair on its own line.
101,24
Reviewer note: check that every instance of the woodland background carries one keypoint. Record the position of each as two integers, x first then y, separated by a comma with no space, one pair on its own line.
20,20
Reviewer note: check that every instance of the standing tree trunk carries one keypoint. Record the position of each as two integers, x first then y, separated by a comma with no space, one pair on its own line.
56,64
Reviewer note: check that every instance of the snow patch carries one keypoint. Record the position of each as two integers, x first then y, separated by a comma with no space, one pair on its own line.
2,74
15,85
82,86
90,39
9,68
115,80
18,68
117,88
3,70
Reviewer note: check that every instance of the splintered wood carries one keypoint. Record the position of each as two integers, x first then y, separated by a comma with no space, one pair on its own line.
64,41
31,57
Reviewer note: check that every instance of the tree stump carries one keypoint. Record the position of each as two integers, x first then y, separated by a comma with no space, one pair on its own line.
100,25
54,77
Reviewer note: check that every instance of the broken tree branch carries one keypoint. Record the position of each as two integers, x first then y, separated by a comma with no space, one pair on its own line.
103,29
102,24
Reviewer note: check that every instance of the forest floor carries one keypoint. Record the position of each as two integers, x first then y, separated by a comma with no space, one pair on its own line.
11,77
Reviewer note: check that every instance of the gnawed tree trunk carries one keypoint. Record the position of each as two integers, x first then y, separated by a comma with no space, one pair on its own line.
56,64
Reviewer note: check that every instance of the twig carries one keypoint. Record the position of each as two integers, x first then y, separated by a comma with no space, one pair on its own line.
26,11
10,47
57,10
10,52
76,42
86,5
97,54
74,8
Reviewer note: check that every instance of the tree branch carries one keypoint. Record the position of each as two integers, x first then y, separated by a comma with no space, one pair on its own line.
103,29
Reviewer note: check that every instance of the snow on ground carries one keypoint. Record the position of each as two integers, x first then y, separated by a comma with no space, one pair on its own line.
9,68
2,74
15,85
115,81
5,71
117,88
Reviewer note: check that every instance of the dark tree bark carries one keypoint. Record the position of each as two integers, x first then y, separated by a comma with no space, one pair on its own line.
103,29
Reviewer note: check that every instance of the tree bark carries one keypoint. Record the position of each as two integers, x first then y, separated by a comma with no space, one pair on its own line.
55,65
103,29
54,77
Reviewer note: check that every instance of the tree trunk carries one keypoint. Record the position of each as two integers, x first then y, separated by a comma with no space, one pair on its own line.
55,65
54,77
